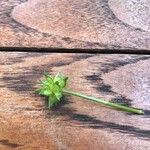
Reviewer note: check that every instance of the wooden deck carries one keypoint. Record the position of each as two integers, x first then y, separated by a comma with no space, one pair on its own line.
26,123
80,27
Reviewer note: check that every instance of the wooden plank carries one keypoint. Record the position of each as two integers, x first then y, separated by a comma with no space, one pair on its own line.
26,123
79,24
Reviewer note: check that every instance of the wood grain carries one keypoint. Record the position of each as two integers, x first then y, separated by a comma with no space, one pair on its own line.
86,24
26,123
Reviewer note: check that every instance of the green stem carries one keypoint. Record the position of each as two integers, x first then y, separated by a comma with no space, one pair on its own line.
106,103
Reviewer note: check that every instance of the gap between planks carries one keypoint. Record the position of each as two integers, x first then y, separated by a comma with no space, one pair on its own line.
67,50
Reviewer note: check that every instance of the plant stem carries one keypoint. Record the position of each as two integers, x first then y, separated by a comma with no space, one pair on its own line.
106,103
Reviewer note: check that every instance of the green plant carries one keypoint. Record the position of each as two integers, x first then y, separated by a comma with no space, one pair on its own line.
54,88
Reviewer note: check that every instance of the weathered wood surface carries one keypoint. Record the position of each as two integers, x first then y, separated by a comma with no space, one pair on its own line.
103,24
26,123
